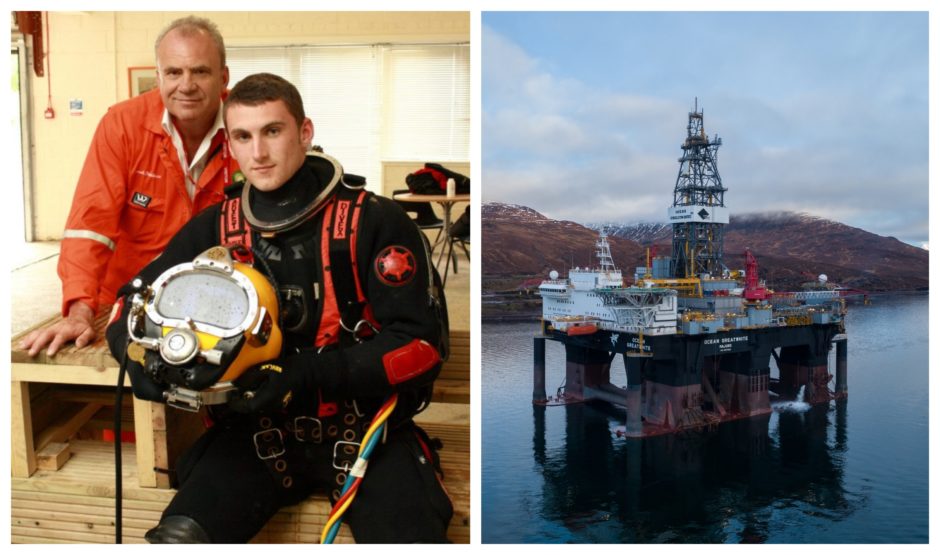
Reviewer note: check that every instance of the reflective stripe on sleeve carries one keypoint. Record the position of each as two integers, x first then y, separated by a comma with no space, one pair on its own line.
88,234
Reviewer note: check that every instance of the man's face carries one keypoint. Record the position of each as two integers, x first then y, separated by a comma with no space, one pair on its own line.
190,75
267,142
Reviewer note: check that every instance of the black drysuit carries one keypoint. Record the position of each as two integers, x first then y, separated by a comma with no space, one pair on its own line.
224,485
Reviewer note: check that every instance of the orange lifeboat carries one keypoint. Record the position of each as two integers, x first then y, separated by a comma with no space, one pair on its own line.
581,329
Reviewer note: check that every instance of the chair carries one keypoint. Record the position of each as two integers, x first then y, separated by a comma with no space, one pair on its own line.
459,234
423,214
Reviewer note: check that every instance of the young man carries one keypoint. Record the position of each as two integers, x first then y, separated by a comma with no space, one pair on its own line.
154,162
360,321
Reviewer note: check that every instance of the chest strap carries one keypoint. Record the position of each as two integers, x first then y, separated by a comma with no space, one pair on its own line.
344,305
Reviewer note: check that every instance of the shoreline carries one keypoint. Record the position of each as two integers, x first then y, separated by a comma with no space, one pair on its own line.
518,312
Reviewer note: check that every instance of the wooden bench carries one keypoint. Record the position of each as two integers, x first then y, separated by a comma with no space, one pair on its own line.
89,366
62,488
453,383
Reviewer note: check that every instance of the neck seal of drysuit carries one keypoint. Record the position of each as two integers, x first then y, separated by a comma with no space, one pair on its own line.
295,202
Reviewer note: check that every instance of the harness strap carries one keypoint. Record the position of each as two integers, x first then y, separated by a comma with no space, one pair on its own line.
347,288
344,303
271,447
233,229
327,312
342,300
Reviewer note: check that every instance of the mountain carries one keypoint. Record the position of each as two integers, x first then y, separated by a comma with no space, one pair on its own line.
791,248
852,257
644,234
519,241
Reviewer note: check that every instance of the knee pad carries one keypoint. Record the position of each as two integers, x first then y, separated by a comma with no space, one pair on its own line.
177,529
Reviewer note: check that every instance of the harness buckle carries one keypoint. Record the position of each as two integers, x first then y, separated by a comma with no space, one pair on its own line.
357,328
268,448
308,429
346,464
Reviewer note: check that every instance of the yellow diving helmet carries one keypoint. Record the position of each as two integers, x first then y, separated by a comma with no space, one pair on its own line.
209,320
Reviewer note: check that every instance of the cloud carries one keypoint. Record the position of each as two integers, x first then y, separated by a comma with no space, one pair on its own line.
836,130
545,135
567,149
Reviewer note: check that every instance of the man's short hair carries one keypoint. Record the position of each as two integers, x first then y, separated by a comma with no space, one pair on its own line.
191,25
258,88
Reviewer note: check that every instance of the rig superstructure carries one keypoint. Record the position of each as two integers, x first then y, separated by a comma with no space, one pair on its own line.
696,338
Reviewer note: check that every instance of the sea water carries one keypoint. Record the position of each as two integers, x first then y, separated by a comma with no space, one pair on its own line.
853,471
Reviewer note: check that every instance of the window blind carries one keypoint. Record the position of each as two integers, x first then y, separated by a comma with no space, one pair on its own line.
375,102
427,99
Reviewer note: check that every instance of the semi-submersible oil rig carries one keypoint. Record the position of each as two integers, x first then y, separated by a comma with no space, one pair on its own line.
696,338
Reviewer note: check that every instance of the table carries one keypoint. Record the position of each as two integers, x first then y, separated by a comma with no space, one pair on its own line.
447,204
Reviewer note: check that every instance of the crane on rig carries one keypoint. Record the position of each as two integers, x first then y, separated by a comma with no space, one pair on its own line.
753,289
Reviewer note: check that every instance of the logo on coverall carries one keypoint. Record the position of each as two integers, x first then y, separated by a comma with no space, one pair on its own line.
395,265
141,200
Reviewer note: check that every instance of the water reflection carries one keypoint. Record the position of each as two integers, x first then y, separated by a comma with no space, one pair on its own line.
722,485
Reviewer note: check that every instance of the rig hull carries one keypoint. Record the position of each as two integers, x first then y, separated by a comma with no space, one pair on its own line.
678,382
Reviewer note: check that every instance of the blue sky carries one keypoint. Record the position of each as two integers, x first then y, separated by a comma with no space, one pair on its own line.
819,112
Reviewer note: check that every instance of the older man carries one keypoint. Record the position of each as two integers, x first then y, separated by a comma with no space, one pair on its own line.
154,162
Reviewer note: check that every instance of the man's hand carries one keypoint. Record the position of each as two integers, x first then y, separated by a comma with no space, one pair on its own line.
143,386
268,387
79,326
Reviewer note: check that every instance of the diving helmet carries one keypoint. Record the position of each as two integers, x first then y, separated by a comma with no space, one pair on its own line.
201,324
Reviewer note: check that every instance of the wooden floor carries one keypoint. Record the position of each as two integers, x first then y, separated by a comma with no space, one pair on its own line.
76,503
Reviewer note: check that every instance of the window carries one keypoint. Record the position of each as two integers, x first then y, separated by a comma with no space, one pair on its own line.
428,100
20,174
375,102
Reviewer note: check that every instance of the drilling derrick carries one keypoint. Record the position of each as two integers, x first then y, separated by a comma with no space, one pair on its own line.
698,211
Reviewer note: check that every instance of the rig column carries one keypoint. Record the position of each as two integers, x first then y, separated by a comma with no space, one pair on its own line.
538,371
842,386
634,367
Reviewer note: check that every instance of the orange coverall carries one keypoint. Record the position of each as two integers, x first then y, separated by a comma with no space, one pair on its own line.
130,200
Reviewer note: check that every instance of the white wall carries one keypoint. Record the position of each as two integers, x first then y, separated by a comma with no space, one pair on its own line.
89,53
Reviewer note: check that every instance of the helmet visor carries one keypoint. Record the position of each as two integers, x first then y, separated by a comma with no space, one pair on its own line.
206,297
